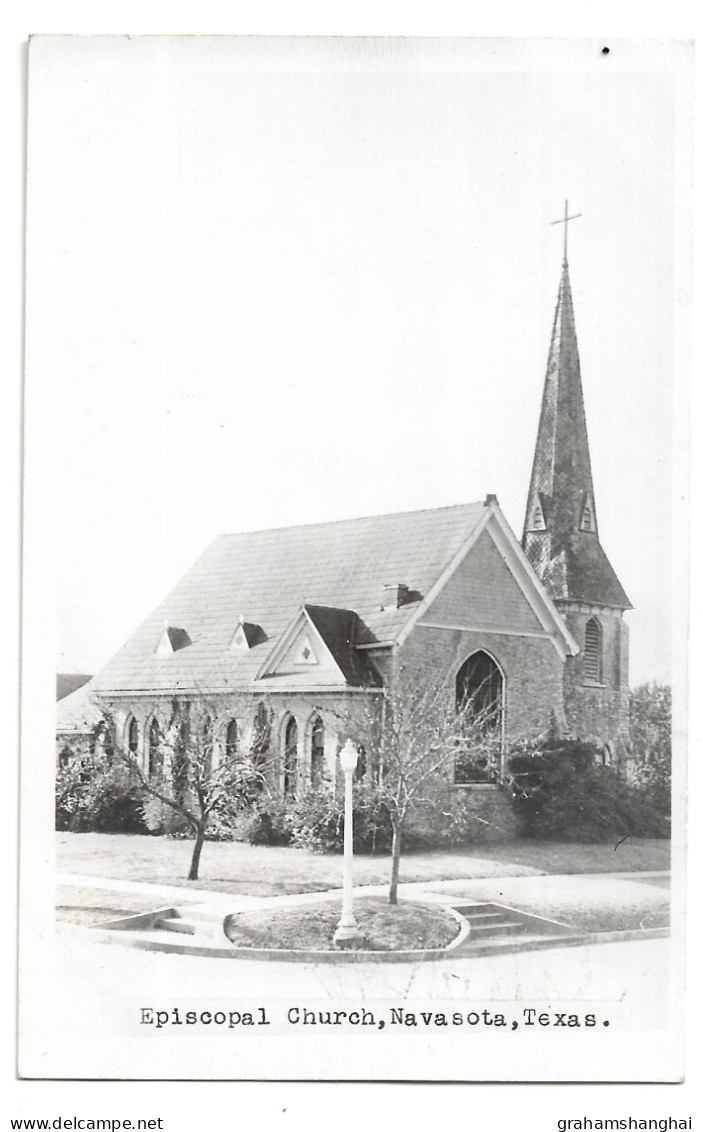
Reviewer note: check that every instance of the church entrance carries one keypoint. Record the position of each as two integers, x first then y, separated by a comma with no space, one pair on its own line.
479,698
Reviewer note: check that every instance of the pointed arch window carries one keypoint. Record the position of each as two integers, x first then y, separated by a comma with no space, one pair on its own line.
207,740
155,754
593,651
133,737
290,757
479,703
361,764
231,739
317,752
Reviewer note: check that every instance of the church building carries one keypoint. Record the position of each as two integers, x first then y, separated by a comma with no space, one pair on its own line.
284,629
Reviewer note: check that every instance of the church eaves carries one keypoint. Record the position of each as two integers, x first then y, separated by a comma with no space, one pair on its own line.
560,536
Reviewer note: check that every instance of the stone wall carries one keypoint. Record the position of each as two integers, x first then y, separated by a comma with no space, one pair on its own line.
532,672
598,711
333,710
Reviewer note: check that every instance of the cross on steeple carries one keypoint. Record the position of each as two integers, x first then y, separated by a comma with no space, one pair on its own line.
565,221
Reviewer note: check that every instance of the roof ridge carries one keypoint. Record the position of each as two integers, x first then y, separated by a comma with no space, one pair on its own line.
351,519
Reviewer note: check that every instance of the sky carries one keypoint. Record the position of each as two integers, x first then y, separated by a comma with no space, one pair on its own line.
275,282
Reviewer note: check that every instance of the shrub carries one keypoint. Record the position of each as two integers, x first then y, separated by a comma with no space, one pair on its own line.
93,796
445,819
316,821
466,817
650,730
560,791
267,823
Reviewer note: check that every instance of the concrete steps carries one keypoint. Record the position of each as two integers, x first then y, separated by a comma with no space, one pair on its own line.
203,922
197,929
495,928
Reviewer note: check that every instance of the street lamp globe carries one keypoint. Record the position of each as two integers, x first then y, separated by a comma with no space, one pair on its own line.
348,757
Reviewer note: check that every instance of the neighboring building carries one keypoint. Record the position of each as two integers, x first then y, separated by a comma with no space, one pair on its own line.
286,630
67,682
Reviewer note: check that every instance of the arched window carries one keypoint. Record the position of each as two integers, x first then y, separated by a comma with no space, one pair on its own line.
361,764
479,701
290,757
155,754
231,739
261,734
317,752
133,737
181,749
593,651
108,746
207,744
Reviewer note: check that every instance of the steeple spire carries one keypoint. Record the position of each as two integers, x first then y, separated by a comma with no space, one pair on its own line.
560,536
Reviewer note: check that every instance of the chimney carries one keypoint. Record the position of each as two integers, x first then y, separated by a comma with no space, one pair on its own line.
490,499
394,595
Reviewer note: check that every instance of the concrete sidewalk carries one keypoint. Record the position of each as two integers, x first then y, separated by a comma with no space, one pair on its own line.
570,889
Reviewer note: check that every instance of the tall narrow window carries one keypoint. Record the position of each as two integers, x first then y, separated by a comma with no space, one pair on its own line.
361,764
317,752
155,752
592,652
479,702
261,734
207,747
133,737
231,739
290,757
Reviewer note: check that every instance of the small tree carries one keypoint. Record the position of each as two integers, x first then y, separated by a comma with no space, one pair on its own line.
188,771
650,732
413,743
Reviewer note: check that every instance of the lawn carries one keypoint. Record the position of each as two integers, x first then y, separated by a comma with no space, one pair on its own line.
590,904
383,927
272,870
88,906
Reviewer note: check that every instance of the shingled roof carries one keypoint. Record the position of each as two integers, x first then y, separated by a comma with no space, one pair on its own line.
560,542
77,713
336,570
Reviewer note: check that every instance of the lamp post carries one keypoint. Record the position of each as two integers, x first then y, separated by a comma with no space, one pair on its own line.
347,933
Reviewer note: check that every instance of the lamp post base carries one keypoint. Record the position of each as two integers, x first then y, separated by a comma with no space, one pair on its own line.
347,936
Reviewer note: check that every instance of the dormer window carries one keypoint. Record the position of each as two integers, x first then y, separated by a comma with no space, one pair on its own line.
588,522
239,640
172,640
246,635
537,522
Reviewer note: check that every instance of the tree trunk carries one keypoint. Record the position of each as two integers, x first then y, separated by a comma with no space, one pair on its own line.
395,864
197,850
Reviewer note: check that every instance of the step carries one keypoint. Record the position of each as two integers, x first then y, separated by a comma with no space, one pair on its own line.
203,913
478,909
483,917
206,929
525,941
179,944
505,927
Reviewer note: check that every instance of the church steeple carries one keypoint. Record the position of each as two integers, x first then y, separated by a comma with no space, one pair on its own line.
560,536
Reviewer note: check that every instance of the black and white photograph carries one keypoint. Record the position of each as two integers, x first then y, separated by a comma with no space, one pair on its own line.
356,500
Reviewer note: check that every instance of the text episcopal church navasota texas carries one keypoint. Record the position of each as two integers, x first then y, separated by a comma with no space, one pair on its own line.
537,626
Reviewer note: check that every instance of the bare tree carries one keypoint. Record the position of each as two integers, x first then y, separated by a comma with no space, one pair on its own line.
414,744
188,766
